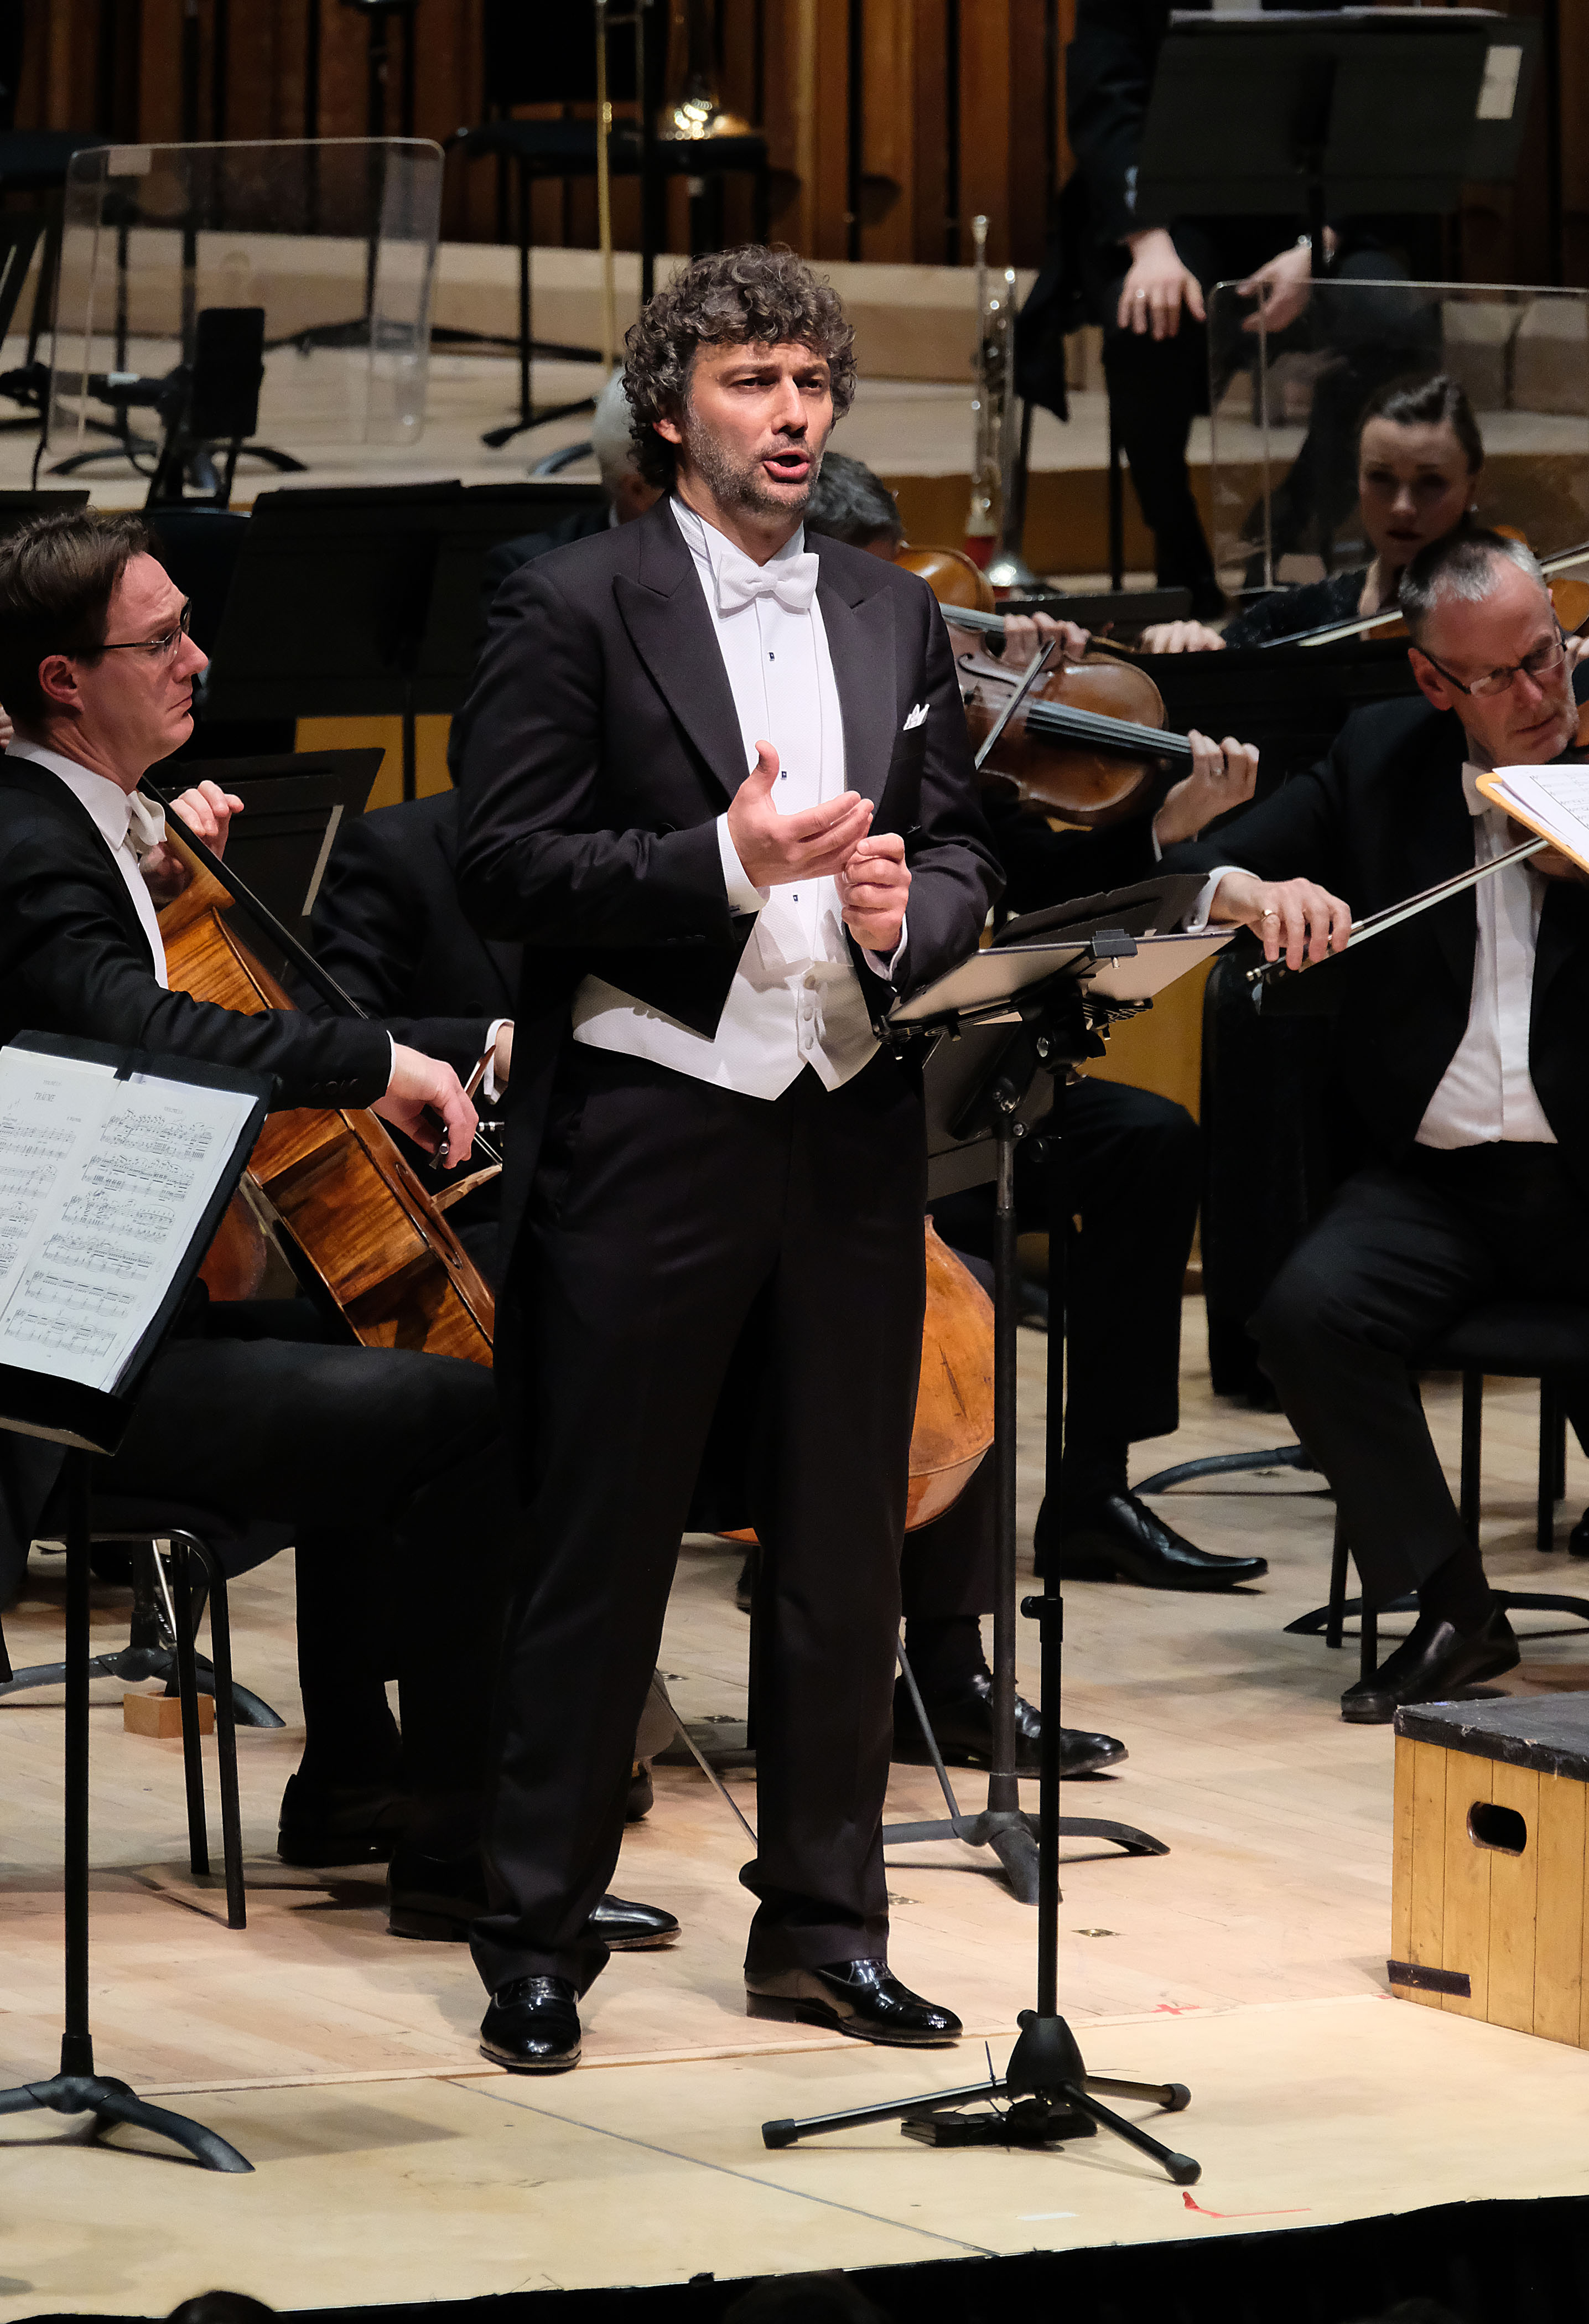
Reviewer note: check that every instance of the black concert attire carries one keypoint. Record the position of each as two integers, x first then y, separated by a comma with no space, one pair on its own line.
352,1453
665,1230
508,556
388,924
1288,613
1420,1233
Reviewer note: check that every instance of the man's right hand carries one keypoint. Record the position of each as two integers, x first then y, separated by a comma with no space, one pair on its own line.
1159,282
774,849
421,1096
1306,920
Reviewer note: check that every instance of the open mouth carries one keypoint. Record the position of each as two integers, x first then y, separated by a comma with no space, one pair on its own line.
790,467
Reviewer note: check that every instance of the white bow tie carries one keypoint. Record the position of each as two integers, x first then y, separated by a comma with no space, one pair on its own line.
145,824
793,580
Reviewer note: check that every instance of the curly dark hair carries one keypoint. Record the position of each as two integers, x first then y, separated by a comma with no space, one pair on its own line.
757,296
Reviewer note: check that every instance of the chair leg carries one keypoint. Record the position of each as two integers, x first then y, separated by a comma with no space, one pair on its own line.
526,343
1550,1440
1334,1626
1473,1449
1368,1631
225,1737
188,1688
1559,1474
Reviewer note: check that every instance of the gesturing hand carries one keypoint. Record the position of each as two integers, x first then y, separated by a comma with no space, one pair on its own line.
421,1089
1306,919
872,888
776,849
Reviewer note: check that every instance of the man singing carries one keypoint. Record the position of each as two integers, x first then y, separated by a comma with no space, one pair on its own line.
718,786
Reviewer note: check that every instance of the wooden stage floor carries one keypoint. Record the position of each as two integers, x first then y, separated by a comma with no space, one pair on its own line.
392,2164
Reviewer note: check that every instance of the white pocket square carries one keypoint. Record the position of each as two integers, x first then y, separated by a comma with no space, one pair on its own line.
916,718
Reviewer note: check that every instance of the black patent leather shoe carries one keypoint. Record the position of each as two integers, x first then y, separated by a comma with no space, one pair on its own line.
1120,1537
625,1928
857,1997
1430,1665
343,1823
533,2026
964,1725
438,1896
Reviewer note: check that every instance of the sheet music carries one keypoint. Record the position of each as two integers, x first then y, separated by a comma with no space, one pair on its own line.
1551,800
102,1185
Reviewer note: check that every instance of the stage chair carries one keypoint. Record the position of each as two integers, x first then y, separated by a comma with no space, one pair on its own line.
530,60
1511,1340
157,1648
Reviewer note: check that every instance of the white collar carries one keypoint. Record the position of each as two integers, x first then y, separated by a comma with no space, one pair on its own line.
1477,804
117,814
713,549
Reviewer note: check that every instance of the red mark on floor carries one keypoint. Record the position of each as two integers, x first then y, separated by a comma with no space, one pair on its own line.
1291,2212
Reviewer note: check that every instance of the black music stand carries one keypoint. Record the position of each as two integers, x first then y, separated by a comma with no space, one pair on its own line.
294,805
365,601
1009,1020
90,1421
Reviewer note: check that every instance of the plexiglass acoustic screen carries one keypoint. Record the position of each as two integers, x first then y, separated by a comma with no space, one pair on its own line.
335,240
1287,403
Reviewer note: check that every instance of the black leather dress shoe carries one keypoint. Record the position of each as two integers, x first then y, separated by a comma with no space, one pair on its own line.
1430,1665
438,1896
343,1823
964,1725
625,1928
1120,1537
533,2026
857,1997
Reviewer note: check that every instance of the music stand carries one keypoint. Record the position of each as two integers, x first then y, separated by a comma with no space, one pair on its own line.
64,1408
1025,1011
294,805
365,601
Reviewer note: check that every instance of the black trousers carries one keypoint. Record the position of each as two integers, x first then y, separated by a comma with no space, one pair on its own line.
1401,1253
667,1216
389,1467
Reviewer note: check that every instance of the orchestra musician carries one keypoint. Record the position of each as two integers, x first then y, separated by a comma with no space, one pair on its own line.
1459,1063
1419,452
626,494
363,1454
1132,1162
717,783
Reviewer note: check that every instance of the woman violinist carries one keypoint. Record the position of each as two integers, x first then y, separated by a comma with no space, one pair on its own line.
1419,456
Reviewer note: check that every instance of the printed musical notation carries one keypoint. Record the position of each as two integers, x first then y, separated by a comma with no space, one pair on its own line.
103,1185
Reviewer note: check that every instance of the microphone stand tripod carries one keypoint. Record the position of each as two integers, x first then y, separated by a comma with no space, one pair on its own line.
1053,2097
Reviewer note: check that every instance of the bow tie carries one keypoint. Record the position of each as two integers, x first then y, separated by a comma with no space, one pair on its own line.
793,580
146,825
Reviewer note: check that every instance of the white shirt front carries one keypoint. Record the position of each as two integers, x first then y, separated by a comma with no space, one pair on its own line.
129,825
1487,1093
795,999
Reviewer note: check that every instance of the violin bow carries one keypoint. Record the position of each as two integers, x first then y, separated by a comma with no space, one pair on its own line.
1333,633
1375,924
312,971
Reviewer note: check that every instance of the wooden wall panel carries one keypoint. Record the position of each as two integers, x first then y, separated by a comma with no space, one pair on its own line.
115,66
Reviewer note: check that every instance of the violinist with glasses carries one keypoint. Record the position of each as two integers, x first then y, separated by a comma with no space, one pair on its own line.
1458,1077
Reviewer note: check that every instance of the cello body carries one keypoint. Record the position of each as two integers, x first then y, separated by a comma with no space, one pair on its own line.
332,1179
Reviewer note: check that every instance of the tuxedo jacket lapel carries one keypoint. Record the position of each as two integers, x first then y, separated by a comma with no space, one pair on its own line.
860,629
1439,841
671,630
52,793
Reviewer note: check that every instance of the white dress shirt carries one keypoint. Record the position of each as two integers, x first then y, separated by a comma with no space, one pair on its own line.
129,825
1487,1093
795,999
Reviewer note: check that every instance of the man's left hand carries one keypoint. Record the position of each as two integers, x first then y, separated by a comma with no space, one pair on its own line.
208,811
1223,775
874,887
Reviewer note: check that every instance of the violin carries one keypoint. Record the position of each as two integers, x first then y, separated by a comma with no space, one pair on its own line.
1570,599
1089,745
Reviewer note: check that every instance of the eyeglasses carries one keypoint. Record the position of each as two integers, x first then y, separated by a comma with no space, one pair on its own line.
160,648
1538,664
